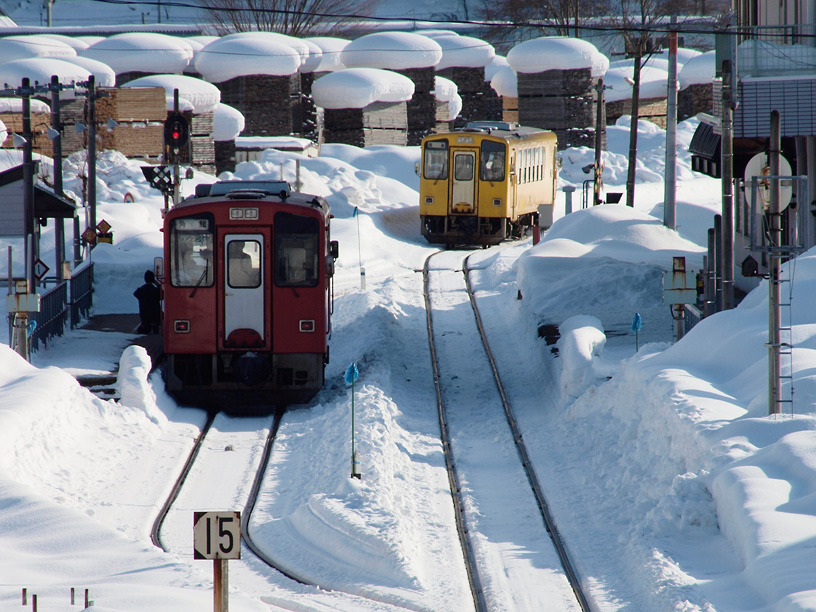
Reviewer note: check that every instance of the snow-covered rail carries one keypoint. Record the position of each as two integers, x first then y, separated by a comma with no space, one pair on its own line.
511,546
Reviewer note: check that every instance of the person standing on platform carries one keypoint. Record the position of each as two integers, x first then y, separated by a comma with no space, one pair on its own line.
149,296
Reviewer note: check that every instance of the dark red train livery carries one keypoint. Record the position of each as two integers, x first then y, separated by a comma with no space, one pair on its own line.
247,294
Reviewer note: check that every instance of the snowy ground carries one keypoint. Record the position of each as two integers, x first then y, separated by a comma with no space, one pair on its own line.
671,487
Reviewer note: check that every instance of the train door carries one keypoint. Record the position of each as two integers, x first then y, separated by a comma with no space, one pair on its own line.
463,183
244,321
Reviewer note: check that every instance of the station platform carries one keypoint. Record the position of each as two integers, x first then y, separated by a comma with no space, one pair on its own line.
122,329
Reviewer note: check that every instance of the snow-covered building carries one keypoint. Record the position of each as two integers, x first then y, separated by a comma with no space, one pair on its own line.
557,86
412,55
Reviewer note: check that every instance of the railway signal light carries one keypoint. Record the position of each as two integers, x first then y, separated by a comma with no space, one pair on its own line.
176,131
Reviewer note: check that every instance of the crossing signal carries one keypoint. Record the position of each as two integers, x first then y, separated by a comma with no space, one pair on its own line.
176,131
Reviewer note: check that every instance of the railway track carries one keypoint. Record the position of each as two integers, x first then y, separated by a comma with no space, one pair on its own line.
512,548
214,476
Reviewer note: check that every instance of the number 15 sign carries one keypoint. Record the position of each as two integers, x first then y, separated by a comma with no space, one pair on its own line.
217,535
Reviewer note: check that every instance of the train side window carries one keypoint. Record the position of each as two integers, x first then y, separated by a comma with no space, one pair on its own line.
296,250
191,252
494,156
436,160
244,264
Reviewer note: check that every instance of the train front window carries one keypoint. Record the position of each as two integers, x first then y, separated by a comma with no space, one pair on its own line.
191,252
296,250
463,167
493,159
244,264
436,160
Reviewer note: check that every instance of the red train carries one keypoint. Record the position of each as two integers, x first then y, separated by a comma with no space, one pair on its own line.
247,295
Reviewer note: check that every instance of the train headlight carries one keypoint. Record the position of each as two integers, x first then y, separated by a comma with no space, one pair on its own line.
307,325
181,326
428,200
497,202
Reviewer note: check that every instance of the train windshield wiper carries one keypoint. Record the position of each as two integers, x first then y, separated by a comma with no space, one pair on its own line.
202,277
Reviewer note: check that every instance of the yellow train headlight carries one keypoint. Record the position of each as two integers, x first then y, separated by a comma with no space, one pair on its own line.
497,202
428,200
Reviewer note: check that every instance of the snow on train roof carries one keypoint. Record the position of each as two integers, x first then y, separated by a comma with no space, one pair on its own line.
141,52
392,51
232,57
557,53
359,87
332,49
202,95
464,52
40,70
699,70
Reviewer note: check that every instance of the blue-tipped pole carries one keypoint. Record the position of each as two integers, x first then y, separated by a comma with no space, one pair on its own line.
637,323
352,374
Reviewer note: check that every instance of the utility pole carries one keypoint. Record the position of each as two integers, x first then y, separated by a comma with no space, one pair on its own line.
56,142
28,185
599,130
92,149
774,265
670,177
727,150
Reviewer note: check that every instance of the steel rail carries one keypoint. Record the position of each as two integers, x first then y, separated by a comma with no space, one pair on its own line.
453,479
541,500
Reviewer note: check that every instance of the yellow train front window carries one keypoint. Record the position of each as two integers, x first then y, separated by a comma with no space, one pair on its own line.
436,160
492,163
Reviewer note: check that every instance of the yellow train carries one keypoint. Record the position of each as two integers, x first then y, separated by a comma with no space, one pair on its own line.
487,182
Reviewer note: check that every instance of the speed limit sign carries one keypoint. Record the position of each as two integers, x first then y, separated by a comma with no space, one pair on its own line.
217,535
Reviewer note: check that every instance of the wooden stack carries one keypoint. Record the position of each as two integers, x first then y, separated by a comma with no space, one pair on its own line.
651,109
224,156
421,108
444,122
695,99
200,150
309,121
510,109
40,122
564,101
479,100
380,123
267,102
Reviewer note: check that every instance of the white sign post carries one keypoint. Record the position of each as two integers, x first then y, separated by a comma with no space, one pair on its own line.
217,536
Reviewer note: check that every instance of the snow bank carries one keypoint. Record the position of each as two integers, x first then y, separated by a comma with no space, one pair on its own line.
359,87
557,53
131,383
392,51
581,343
203,96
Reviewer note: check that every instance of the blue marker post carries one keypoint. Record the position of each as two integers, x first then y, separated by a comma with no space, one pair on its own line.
637,323
352,374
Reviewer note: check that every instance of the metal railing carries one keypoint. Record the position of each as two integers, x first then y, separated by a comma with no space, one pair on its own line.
52,317
776,50
81,294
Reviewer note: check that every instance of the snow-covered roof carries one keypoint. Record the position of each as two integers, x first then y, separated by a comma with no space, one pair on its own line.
684,54
557,53
332,48
359,87
314,59
228,122
698,70
392,51
231,57
3,132
24,47
618,81
203,96
505,82
40,69
141,52
437,33
464,52
297,44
